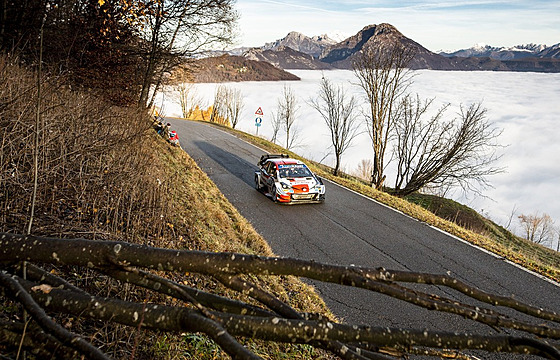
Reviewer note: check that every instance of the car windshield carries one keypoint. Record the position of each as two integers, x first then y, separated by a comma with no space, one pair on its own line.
293,171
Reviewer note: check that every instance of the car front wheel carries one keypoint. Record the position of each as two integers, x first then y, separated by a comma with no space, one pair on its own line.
274,194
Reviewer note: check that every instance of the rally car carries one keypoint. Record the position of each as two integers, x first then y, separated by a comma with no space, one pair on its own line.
288,180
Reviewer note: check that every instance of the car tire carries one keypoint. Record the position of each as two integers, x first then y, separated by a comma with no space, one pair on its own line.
257,183
274,194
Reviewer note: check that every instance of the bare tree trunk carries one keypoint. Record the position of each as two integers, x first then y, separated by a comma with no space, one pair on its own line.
338,112
384,78
151,56
287,113
276,125
37,132
234,106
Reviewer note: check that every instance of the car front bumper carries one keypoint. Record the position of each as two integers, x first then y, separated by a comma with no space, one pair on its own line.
300,198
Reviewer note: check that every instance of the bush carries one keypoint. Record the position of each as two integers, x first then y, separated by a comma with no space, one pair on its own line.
94,175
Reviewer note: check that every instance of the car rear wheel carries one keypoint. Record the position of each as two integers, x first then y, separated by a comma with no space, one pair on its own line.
257,183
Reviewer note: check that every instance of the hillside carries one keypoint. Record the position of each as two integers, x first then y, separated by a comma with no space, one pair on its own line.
343,54
120,183
226,68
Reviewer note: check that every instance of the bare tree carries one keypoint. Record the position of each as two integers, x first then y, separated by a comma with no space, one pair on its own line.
188,99
174,29
384,77
234,105
226,320
510,218
287,114
557,235
338,111
276,125
364,169
537,228
219,107
434,152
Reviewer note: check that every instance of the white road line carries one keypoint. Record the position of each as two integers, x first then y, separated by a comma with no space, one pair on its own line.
410,217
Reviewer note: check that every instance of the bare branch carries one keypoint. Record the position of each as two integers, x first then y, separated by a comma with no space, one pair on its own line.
165,286
288,324
436,152
39,315
338,112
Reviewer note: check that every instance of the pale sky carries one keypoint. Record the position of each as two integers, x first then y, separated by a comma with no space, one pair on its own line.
436,25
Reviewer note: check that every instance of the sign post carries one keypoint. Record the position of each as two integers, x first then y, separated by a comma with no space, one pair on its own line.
258,120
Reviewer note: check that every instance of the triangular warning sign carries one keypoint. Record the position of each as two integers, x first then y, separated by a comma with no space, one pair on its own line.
259,112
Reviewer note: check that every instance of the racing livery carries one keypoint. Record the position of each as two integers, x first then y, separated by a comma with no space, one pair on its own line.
288,180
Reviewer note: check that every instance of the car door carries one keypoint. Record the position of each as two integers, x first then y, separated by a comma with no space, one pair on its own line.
265,176
270,172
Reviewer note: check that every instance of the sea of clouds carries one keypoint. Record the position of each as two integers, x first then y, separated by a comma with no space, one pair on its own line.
526,106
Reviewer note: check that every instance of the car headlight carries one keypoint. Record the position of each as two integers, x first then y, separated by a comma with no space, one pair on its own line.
285,186
319,188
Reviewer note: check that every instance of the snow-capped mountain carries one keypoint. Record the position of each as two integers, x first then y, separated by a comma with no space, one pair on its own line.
550,52
297,51
505,53
285,57
308,45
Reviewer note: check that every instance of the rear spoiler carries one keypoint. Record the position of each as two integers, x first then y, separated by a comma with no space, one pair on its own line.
264,158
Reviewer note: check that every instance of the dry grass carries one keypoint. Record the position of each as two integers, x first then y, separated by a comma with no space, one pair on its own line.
201,218
537,258
105,174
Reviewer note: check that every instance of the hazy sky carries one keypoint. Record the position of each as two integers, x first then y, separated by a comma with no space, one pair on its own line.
437,25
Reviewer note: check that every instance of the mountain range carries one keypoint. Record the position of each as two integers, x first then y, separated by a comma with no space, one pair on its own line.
508,53
298,51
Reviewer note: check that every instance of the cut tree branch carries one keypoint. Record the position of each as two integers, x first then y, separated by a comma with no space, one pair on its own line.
222,319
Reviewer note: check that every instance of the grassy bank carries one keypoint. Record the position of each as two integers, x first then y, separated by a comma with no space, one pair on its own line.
104,174
203,219
453,218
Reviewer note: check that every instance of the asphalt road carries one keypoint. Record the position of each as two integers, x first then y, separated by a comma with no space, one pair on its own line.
350,229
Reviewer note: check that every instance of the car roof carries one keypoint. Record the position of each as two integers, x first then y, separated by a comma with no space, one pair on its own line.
285,161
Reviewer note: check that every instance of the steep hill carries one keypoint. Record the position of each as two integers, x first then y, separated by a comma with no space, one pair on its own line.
342,54
227,68
120,183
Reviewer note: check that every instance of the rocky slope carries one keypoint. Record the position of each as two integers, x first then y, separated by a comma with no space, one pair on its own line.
287,58
313,46
343,54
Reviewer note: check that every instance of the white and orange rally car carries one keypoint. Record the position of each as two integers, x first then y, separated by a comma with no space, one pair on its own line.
288,180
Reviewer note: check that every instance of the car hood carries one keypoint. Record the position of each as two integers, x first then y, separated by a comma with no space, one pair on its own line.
299,181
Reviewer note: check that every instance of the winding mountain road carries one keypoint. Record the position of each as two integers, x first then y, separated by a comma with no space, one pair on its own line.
351,229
